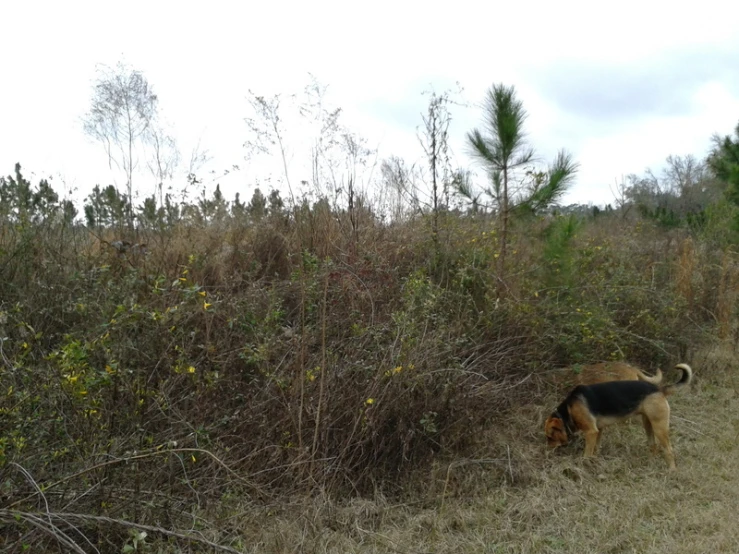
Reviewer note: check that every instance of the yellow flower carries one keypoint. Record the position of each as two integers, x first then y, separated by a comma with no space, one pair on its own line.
194,459
202,293
206,305
183,279
394,371
191,369
186,272
369,401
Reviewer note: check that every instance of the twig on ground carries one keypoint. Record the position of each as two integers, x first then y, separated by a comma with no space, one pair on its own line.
13,516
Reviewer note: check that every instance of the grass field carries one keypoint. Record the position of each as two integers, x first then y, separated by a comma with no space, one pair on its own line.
511,495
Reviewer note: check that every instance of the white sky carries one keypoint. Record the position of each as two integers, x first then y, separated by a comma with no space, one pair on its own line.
620,85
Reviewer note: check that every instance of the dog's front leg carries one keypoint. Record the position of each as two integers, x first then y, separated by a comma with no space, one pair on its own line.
597,441
591,441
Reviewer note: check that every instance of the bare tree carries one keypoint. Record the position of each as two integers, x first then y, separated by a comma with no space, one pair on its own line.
163,159
325,135
122,110
435,143
338,161
397,179
684,188
621,197
688,178
268,130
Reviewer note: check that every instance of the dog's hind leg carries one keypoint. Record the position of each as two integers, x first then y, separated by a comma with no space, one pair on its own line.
650,434
662,432
657,411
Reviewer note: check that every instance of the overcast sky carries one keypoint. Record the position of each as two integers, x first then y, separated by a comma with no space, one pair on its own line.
620,85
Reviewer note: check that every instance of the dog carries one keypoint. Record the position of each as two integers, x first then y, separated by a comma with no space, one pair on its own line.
603,372
590,408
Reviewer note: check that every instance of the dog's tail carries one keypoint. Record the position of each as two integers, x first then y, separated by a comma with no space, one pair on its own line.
684,380
655,380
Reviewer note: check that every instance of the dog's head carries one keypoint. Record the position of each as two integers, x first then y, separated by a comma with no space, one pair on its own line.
555,431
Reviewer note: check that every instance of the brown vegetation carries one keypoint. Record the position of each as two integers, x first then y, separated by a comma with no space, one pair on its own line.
231,366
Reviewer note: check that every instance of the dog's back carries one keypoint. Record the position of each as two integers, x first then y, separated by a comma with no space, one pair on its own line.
602,372
616,398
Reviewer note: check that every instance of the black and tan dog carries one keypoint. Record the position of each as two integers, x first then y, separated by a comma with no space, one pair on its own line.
589,408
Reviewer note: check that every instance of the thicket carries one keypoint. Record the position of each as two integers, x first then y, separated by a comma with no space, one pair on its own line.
220,353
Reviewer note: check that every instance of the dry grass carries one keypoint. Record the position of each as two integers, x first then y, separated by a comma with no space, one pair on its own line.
513,496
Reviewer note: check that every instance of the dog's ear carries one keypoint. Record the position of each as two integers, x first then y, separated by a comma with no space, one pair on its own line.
554,429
